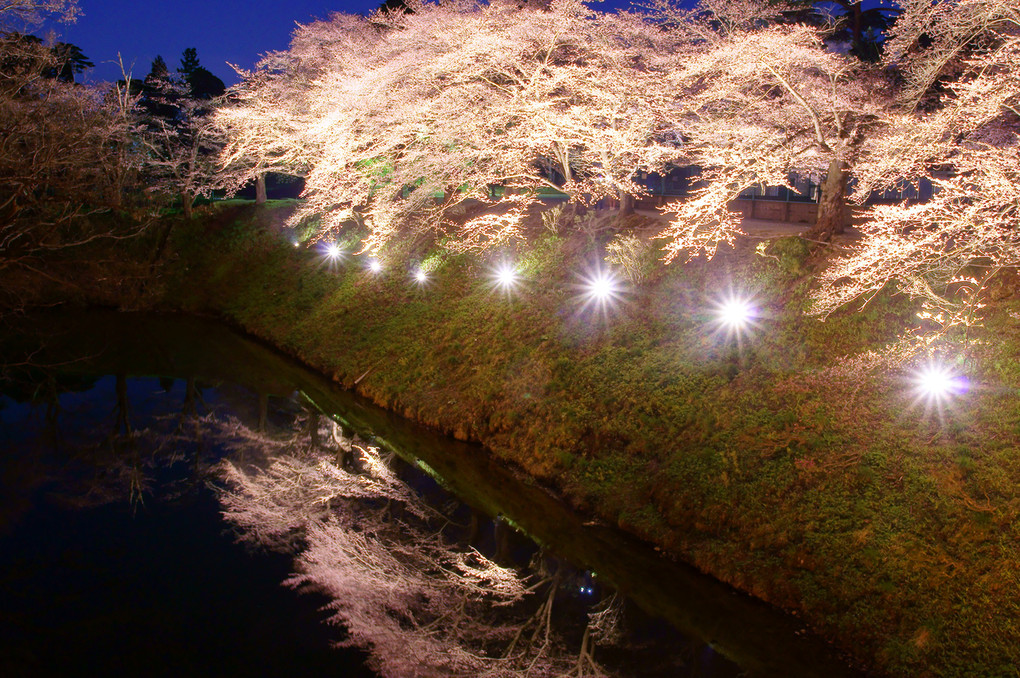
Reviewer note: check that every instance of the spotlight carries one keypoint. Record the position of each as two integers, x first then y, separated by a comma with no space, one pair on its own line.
421,277
601,288
505,277
936,384
333,251
375,266
735,314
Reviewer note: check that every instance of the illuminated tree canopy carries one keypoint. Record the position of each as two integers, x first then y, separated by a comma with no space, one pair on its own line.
957,123
451,119
397,118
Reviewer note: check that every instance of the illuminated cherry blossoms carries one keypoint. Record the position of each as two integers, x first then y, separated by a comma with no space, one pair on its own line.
401,118
957,123
450,121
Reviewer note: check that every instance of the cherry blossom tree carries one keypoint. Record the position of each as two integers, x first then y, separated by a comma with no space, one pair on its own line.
760,100
182,147
65,151
18,14
399,118
958,125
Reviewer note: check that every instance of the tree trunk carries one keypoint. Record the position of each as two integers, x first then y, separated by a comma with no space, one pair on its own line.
260,189
858,27
263,412
187,201
123,413
164,238
626,204
313,428
190,406
833,212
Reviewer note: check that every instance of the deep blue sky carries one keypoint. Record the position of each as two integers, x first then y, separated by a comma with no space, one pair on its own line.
234,31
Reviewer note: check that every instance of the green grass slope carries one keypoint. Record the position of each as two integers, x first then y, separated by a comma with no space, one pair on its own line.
788,465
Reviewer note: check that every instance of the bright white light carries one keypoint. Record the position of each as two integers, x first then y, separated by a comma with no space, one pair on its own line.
421,277
936,384
601,288
375,266
296,244
736,313
505,277
333,251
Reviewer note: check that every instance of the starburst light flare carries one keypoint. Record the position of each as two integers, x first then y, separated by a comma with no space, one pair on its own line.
735,314
601,288
374,266
331,255
505,278
936,384
420,276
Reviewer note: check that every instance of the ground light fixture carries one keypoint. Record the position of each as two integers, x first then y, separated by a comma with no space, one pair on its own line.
936,384
735,314
374,266
330,255
420,276
505,278
600,288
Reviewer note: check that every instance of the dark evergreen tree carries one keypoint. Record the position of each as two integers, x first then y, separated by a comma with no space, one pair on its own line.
189,62
159,70
858,26
201,82
68,61
395,6
205,85
181,142
159,95
27,54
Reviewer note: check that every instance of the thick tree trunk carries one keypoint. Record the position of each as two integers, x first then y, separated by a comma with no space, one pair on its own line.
116,193
626,204
187,200
833,212
190,406
260,189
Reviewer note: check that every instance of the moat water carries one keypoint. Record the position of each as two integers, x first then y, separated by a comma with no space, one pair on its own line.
121,550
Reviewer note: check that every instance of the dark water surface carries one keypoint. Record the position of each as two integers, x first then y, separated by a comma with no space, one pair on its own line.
115,560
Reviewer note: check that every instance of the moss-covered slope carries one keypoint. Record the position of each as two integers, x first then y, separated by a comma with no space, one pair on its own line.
784,463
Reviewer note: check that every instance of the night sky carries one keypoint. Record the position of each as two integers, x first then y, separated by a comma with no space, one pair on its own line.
234,31
223,31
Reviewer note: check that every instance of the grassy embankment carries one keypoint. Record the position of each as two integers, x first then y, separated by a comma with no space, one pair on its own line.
786,466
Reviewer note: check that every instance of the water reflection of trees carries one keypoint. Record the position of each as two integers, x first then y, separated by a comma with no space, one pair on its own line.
88,446
396,561
422,603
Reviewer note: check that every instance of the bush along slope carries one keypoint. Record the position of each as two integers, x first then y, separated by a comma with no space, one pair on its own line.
795,461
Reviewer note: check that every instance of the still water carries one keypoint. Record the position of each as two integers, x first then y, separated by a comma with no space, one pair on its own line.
176,499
